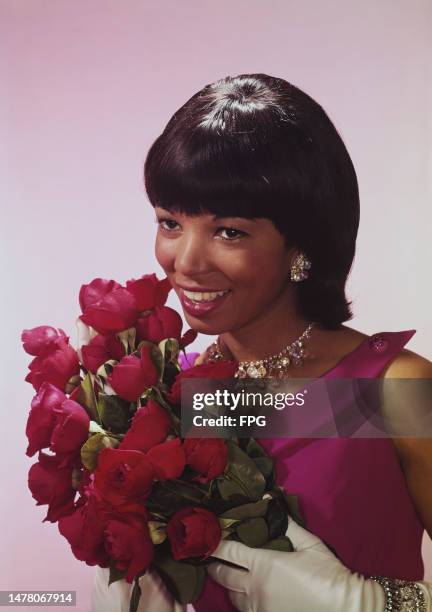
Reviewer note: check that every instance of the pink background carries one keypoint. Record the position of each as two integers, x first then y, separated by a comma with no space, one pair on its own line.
87,86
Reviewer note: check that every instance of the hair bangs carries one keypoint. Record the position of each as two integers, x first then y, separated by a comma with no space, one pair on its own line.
227,175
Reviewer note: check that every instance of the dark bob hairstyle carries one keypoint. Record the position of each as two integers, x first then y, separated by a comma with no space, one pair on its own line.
256,146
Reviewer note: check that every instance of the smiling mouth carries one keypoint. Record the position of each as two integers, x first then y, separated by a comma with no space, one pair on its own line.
204,296
202,303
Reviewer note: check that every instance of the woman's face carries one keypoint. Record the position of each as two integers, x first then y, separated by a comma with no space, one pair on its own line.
226,271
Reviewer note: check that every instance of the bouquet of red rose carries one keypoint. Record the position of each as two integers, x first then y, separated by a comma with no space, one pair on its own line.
126,490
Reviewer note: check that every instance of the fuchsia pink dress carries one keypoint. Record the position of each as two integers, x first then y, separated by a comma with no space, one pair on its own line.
351,491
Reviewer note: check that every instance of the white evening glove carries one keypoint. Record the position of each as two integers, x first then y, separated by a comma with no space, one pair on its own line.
309,579
116,597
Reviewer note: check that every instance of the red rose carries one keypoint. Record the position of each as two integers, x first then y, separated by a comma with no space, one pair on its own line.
56,422
222,369
149,291
40,340
84,529
129,545
95,291
99,350
71,428
167,459
107,306
193,532
123,478
207,456
51,484
133,375
56,362
150,426
163,322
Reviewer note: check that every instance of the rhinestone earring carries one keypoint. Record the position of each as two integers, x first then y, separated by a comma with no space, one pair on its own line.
300,267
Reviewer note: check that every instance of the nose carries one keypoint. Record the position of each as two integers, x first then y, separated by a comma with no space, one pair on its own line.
192,257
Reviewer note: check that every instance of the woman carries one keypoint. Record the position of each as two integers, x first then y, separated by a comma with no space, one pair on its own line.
257,206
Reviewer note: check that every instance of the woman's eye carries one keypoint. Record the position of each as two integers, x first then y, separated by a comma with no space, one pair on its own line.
167,224
230,233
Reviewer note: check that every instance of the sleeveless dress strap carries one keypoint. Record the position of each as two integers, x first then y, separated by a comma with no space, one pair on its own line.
370,358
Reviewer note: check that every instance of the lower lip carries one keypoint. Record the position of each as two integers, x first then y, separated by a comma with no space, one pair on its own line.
200,309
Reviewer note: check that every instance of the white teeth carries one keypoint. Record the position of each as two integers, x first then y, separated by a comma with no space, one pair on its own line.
204,297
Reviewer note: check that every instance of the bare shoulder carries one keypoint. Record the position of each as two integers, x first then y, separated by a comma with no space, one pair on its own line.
408,364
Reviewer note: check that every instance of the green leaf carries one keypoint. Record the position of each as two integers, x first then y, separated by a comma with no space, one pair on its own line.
113,412
91,449
115,574
169,349
231,492
277,517
106,368
253,532
265,465
242,478
227,523
184,580
247,511
169,496
157,530
86,397
127,338
253,449
158,359
282,544
262,460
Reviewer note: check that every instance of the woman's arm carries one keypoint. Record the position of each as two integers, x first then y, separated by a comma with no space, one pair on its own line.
415,454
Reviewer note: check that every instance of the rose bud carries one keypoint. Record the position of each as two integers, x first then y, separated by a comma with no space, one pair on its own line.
133,375
115,311
222,369
51,484
207,456
193,532
188,337
84,529
151,425
99,350
129,545
167,459
124,478
57,366
163,322
149,291
40,340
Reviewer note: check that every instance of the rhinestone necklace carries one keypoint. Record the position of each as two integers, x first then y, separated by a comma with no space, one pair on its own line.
273,366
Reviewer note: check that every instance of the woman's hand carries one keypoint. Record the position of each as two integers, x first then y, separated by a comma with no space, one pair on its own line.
116,597
311,578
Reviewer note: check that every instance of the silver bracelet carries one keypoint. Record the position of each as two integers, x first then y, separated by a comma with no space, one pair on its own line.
401,595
